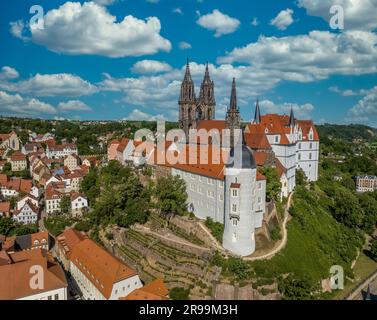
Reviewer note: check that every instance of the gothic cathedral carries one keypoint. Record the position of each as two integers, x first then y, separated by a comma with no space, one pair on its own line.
192,109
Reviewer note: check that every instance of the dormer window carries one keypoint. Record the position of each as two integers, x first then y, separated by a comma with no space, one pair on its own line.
276,139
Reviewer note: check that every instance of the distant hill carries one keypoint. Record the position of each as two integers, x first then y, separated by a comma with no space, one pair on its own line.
347,132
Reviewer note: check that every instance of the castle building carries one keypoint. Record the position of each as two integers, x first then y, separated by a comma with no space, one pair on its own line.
234,194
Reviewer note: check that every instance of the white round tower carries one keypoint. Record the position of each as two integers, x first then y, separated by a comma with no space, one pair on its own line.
240,184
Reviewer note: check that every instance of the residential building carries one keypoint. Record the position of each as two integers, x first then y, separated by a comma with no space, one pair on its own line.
38,240
18,161
78,203
100,275
112,150
28,213
52,200
72,161
60,151
26,198
10,140
156,290
16,278
366,183
65,243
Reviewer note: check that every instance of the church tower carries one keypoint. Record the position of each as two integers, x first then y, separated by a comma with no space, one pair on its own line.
257,116
233,119
187,103
207,101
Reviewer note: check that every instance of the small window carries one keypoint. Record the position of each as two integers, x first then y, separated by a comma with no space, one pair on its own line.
235,193
234,207
234,222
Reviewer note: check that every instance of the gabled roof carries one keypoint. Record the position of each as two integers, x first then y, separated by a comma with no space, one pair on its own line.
15,277
156,290
17,156
257,141
98,265
69,238
203,162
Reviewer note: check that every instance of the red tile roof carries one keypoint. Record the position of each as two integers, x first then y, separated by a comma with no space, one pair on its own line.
156,290
98,265
15,277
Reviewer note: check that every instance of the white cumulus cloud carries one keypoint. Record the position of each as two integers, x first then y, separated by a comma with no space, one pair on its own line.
48,85
219,22
89,29
16,105
73,105
358,14
283,20
302,111
8,73
311,57
150,67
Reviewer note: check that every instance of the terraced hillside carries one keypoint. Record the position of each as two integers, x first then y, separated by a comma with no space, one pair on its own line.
179,263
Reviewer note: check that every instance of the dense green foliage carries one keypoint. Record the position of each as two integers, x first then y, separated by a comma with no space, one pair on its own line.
56,224
316,241
232,266
116,196
216,228
273,186
171,195
9,227
179,293
65,204
86,132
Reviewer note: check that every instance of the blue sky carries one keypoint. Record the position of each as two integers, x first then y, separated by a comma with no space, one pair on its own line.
124,59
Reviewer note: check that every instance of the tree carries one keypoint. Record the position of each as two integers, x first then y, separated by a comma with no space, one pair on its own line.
216,228
65,204
238,267
171,194
301,179
273,187
369,207
294,288
346,208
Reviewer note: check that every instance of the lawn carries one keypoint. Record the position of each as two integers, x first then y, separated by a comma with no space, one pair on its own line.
364,267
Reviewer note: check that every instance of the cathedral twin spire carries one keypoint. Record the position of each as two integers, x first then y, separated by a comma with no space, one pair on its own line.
192,109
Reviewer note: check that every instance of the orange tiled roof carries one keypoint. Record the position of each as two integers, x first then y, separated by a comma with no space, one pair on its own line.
15,277
204,161
102,268
257,141
18,156
5,206
260,176
156,290
69,238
